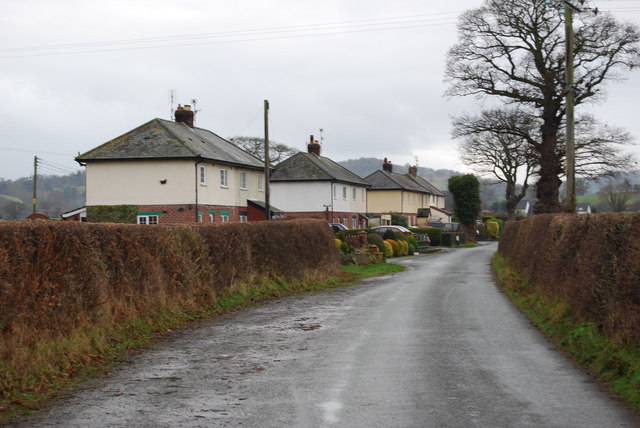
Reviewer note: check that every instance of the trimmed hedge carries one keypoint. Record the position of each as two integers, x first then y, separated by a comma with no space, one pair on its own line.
448,239
592,262
60,278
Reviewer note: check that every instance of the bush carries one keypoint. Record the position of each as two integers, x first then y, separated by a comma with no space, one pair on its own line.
404,248
412,242
389,234
399,236
449,239
375,239
493,229
388,248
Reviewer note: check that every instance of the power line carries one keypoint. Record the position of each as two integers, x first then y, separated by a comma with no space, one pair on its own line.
13,149
238,36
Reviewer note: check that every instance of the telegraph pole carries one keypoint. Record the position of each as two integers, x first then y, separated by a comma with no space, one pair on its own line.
569,112
35,183
267,207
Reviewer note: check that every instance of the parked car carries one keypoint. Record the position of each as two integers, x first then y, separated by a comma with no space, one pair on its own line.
422,238
381,230
337,227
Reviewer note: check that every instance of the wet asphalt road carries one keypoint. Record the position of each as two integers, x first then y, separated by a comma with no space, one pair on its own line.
435,346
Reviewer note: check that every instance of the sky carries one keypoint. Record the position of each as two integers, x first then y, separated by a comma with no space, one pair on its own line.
75,74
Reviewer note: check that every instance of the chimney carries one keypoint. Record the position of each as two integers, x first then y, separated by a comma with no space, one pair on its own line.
387,165
413,171
313,146
184,115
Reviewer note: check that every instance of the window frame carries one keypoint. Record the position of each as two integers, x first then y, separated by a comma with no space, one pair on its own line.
224,178
243,180
202,175
147,219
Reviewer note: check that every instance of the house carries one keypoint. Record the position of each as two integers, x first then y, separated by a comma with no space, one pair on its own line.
313,186
79,214
171,172
583,208
440,215
524,209
406,194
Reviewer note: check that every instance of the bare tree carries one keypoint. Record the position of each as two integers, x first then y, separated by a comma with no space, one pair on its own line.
513,50
255,146
498,143
599,149
617,193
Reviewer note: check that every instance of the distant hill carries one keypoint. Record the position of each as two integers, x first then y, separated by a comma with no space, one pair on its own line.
366,166
56,194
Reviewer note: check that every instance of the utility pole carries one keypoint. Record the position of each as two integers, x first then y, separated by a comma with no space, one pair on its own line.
569,113
35,183
267,207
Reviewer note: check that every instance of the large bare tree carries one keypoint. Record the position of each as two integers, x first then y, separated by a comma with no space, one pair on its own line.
501,142
513,51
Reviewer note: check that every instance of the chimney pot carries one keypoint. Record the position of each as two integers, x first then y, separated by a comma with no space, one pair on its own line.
387,165
184,115
313,146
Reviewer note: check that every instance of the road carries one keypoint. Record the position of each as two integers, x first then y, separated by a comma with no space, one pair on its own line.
435,346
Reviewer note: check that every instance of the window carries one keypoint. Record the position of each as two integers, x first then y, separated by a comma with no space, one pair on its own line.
224,218
199,218
335,194
243,180
261,183
148,219
354,193
243,218
224,179
363,193
354,222
210,218
203,176
344,192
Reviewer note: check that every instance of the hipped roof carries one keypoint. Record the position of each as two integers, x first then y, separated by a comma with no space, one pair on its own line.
161,139
310,167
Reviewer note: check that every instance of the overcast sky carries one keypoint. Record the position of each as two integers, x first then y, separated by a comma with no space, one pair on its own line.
75,74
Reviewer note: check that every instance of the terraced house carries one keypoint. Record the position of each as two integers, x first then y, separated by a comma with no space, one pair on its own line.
407,194
172,172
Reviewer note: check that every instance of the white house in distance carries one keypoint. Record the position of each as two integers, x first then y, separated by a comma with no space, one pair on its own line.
174,172
312,186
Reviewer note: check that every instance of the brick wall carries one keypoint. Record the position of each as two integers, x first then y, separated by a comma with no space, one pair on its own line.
187,213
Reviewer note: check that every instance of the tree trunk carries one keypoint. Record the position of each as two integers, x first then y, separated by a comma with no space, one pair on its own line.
512,201
548,186
471,233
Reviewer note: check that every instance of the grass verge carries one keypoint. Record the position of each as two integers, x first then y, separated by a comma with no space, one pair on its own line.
61,363
614,364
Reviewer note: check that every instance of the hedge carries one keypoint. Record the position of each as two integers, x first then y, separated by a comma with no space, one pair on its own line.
592,262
